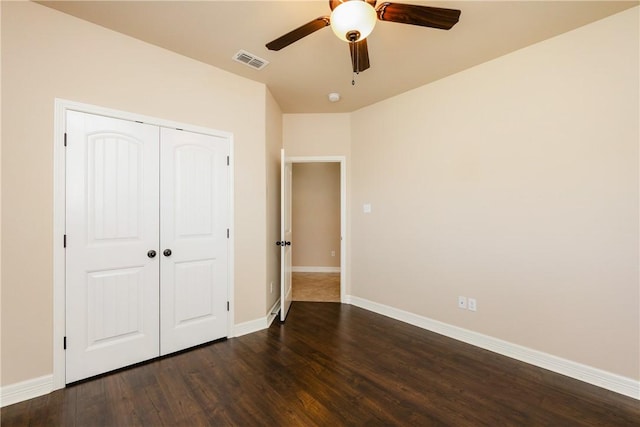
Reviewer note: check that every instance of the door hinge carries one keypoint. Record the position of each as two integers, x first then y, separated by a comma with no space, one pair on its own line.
64,241
227,233
227,160
64,343
65,139
227,305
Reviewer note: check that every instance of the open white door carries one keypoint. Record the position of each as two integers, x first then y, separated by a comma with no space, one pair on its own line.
286,293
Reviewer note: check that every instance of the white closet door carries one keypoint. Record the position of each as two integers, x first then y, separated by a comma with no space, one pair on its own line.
111,225
194,219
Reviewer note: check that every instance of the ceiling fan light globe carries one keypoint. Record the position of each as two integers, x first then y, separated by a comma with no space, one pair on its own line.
353,15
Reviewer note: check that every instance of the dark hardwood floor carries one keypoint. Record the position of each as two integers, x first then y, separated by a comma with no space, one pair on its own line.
330,365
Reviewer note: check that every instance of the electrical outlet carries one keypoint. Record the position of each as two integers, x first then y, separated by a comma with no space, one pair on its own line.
471,304
333,253
462,302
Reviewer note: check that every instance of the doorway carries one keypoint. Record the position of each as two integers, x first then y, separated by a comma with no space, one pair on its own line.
317,224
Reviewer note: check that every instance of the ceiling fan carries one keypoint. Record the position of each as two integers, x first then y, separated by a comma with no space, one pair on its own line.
353,20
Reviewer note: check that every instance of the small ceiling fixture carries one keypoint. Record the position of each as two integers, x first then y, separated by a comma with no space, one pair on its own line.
334,97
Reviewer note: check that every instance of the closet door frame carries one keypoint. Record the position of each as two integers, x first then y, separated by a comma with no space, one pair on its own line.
61,106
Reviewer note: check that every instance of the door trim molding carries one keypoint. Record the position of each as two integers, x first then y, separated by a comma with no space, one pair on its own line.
343,211
61,106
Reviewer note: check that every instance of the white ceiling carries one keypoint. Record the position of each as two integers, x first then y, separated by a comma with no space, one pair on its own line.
301,75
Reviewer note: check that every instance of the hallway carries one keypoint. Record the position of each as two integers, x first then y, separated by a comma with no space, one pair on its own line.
316,287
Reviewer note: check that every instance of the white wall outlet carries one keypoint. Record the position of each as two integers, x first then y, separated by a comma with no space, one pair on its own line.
333,253
471,304
462,302
366,208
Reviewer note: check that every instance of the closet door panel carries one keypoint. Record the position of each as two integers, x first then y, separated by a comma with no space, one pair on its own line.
193,222
112,204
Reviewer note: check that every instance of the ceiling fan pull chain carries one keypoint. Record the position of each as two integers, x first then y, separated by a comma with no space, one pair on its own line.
354,53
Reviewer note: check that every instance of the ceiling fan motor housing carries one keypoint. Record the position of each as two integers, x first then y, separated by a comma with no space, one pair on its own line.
335,3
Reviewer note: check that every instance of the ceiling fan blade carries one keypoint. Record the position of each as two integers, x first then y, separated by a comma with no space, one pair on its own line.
298,33
359,55
424,16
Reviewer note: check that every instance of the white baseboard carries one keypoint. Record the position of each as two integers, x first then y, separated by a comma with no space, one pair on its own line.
244,328
256,325
25,390
311,269
616,383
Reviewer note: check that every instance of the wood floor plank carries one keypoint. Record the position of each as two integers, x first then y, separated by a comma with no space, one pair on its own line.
330,365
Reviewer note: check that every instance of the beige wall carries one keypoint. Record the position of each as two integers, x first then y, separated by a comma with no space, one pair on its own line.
273,147
317,134
316,214
47,54
516,183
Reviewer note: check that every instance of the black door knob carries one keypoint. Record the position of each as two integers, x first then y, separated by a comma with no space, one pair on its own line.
167,252
279,243
151,254
287,243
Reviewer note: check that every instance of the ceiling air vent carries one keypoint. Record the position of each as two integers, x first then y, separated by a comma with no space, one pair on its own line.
250,60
